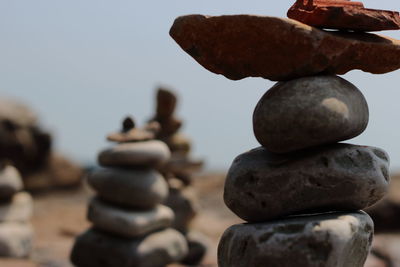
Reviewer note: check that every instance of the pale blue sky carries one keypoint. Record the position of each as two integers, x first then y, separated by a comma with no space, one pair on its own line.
85,64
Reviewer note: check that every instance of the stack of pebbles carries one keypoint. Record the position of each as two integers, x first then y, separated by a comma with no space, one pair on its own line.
131,228
178,171
16,234
301,191
300,170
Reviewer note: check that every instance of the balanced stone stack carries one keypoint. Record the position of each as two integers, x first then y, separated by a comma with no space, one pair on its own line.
178,171
301,192
180,164
131,228
16,233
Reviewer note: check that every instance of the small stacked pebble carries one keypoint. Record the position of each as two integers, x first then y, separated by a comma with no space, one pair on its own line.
301,192
178,171
16,233
131,227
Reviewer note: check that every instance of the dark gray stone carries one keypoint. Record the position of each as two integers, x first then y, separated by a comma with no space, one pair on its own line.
262,186
128,222
142,189
308,112
95,249
330,240
152,153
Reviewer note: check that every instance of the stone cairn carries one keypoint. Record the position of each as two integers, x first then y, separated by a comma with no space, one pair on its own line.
178,171
28,146
131,228
301,191
16,233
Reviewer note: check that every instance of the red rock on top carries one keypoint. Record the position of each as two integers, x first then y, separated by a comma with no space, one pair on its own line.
343,15
240,46
311,3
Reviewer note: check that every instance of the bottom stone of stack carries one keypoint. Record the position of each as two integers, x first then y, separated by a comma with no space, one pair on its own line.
94,248
325,240
15,240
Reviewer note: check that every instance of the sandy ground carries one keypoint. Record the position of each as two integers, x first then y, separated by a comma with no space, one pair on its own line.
60,216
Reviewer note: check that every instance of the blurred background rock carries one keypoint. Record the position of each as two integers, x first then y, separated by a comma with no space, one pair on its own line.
28,146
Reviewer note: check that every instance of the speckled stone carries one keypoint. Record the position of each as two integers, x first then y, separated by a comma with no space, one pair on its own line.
262,186
143,189
128,222
308,112
330,240
95,249
150,154
278,49
343,15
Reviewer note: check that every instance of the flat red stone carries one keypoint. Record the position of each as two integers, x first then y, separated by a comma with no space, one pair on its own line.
240,46
343,15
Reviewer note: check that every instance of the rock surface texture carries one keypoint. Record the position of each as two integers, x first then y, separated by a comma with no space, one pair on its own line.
332,240
277,49
261,186
130,226
309,111
343,15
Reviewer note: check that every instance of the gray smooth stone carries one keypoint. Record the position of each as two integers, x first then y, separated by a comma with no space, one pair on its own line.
15,240
150,154
128,222
330,240
18,210
143,189
95,249
10,182
308,112
262,186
